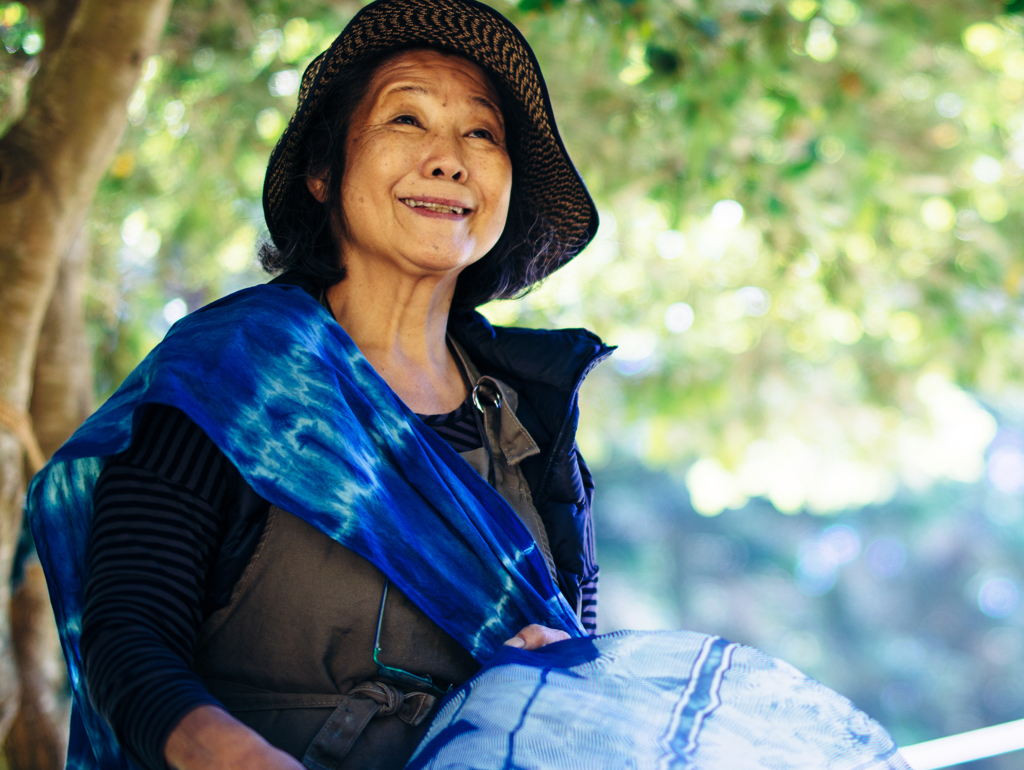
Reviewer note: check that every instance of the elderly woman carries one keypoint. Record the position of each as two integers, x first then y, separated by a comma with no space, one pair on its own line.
299,529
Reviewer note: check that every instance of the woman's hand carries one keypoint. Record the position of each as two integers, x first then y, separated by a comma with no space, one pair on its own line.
209,738
535,636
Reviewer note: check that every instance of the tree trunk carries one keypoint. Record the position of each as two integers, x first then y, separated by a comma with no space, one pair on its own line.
37,739
62,395
51,162
61,400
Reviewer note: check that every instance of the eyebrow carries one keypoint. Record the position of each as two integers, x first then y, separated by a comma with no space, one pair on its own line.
482,101
491,106
397,89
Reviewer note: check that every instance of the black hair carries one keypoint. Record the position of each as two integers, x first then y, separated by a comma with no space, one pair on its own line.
304,241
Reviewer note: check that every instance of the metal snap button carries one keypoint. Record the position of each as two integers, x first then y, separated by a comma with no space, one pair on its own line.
493,396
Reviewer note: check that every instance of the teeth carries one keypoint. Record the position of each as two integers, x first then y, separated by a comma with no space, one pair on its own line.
433,206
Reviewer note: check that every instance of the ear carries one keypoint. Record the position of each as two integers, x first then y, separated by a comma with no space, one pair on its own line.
317,187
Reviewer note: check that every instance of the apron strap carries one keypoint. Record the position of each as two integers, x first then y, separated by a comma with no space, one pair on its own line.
363,702
352,712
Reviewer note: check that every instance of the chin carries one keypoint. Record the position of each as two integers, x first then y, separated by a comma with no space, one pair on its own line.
432,262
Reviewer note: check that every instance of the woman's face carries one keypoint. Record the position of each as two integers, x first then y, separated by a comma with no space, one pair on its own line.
427,175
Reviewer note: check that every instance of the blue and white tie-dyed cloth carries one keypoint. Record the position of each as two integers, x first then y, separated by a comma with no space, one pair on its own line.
294,405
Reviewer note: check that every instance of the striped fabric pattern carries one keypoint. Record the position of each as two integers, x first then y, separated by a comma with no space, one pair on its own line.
458,428
175,524
650,701
147,583
588,614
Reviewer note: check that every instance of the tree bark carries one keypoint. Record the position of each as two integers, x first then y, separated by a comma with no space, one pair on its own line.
51,162
62,398
62,394
37,739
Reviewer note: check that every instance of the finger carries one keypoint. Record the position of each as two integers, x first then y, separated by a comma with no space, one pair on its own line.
542,636
527,639
535,636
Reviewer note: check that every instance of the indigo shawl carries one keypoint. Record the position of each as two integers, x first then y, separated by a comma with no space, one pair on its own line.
294,405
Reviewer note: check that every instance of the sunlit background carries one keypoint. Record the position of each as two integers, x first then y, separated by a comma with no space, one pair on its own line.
811,436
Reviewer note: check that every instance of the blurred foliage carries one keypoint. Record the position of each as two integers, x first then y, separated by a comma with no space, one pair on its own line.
809,257
809,240
809,211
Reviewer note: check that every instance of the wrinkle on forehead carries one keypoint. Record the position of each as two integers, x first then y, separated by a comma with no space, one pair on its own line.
409,66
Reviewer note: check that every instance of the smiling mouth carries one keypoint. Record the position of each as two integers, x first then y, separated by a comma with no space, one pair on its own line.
440,208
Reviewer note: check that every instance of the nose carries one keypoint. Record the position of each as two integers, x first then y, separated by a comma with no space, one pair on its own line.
445,161
439,172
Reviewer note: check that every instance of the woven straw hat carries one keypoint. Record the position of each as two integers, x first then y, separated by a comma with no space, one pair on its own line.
550,184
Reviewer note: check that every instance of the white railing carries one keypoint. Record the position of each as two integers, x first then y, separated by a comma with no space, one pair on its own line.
965,747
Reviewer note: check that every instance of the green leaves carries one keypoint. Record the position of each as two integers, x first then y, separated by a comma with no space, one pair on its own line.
540,5
663,61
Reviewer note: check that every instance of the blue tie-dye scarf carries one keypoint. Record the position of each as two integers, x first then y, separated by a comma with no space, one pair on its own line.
295,406
283,391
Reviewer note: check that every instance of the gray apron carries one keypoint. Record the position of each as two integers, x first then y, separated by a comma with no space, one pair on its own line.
291,655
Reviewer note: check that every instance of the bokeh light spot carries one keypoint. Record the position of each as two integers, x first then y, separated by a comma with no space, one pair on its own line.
860,247
269,124
987,169
820,44
727,213
635,348
998,598
1006,469
841,543
754,300
133,227
842,13
885,557
203,59
283,83
802,10
949,105
830,149
713,488
916,87
670,244
904,326
992,206
982,39
678,317
175,310
815,573
938,214
32,43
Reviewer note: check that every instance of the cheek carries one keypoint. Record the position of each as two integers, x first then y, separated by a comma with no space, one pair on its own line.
369,169
500,187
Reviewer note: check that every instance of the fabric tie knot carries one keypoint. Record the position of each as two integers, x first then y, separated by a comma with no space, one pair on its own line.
411,707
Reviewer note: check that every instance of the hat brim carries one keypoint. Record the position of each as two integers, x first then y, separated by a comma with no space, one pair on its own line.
549,183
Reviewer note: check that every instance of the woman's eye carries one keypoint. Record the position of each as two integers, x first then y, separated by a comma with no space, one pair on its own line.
482,133
406,120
